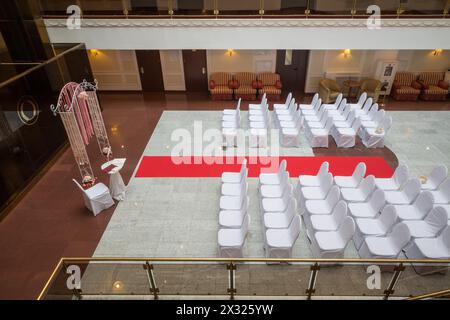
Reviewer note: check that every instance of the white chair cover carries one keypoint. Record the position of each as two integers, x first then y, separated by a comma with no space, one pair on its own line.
370,208
231,241
354,180
395,182
97,198
273,178
421,206
318,138
314,181
372,139
406,195
436,177
362,192
442,194
279,242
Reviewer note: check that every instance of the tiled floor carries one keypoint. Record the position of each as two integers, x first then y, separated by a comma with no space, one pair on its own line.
51,222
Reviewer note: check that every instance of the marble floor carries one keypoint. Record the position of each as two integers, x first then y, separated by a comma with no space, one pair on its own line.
178,217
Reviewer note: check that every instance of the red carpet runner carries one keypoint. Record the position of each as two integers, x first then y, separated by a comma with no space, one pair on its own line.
164,167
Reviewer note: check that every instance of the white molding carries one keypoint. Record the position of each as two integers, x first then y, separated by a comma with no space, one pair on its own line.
316,23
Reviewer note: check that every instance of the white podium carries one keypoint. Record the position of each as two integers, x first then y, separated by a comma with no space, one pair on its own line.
116,185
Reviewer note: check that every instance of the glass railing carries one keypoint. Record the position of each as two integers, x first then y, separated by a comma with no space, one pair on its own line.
142,278
30,135
248,8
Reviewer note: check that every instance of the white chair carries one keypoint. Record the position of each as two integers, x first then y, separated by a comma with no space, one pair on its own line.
431,248
279,242
335,105
235,189
285,105
316,124
230,137
233,111
289,110
233,218
256,114
293,114
374,137
380,226
346,137
418,209
344,116
365,109
234,202
293,123
233,121
231,241
370,116
312,111
369,208
406,195
259,122
386,247
436,177
316,193
314,181
277,204
442,194
362,192
257,106
97,198
331,244
430,227
235,177
361,100
325,206
340,108
280,220
347,123
354,180
290,137
303,106
379,117
318,138
314,117
329,222
275,190
395,182
273,178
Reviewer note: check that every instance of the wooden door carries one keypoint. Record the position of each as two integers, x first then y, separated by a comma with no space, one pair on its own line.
149,65
195,73
291,66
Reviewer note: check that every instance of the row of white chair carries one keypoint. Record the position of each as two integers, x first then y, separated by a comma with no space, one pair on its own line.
344,121
233,216
289,121
258,116
281,223
231,122
375,235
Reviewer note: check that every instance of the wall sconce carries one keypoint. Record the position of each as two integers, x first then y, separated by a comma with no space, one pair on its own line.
347,53
437,52
94,52
230,52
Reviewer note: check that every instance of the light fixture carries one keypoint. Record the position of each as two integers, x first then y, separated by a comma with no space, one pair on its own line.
230,52
94,52
347,53
117,285
437,52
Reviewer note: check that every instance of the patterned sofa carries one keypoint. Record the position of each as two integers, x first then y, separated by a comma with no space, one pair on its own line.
270,84
433,86
405,87
246,86
221,86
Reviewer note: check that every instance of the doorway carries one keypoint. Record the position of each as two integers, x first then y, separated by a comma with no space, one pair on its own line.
149,64
195,73
291,66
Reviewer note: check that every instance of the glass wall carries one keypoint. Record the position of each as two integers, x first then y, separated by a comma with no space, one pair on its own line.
29,132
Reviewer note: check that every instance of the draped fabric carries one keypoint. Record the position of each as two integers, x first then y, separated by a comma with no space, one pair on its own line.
72,98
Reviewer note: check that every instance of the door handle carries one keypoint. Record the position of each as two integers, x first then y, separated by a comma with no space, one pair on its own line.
203,70
142,70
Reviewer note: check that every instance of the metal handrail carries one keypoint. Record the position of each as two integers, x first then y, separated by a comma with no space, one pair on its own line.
436,294
232,261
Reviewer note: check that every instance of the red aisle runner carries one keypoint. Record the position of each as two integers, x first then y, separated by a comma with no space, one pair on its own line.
165,166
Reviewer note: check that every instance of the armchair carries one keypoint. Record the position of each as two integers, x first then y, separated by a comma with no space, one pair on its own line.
405,87
246,89
221,86
372,87
271,85
433,86
328,90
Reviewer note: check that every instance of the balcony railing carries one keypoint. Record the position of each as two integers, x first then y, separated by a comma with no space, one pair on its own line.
94,278
249,8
